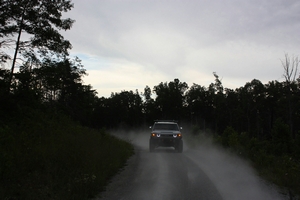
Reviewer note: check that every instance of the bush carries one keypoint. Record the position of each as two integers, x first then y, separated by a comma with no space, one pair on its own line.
230,138
47,156
281,138
277,160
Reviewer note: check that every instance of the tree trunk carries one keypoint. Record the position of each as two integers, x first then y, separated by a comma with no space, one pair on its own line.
16,50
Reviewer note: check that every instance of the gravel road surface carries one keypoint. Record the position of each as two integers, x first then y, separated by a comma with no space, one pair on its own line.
206,173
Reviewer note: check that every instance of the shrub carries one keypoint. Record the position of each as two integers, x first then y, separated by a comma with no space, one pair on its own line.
48,156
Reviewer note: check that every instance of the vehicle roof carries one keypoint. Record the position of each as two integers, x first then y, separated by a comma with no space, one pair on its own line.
162,122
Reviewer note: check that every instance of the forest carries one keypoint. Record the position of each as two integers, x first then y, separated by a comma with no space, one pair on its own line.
259,121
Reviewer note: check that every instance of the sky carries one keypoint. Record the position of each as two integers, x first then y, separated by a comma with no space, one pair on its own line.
130,44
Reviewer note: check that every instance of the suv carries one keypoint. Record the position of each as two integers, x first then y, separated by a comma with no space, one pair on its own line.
166,134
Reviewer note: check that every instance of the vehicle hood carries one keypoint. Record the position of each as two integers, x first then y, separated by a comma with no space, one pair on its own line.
162,132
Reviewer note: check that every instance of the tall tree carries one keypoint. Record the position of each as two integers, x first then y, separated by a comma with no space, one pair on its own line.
39,22
148,105
59,80
171,98
290,66
217,97
199,106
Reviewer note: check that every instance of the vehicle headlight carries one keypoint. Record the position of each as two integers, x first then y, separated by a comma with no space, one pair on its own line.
155,135
177,135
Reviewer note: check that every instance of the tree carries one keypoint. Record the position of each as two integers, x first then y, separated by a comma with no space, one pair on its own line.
217,97
290,66
149,110
255,105
231,107
218,84
41,21
199,106
121,109
273,107
57,80
170,98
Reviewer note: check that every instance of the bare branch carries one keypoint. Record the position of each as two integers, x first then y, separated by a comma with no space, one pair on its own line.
290,66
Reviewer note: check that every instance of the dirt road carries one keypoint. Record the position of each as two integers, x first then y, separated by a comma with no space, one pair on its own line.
206,173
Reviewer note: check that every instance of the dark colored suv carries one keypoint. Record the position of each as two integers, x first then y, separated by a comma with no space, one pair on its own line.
166,134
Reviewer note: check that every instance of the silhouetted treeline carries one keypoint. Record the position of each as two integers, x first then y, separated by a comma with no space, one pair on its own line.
253,108
259,121
48,79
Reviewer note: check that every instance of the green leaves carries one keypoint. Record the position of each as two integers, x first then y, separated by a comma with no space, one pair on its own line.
41,21
170,98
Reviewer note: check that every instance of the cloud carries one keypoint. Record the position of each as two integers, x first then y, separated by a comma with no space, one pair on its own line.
121,75
189,40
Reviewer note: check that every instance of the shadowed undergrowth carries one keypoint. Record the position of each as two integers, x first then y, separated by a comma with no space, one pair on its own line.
50,157
271,159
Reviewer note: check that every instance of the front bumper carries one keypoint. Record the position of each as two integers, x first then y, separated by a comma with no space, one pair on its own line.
165,141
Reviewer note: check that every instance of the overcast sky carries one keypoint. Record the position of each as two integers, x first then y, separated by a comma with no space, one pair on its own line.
128,44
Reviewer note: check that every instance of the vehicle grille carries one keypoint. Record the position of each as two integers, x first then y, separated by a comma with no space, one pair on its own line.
166,135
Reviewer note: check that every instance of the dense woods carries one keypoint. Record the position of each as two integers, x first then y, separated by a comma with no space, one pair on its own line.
254,108
258,120
46,77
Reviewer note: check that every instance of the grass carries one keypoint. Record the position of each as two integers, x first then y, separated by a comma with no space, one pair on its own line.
282,170
50,157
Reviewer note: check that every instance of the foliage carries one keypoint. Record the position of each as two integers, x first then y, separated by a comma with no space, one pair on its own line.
40,23
281,138
259,121
254,119
39,19
121,109
170,99
274,159
47,156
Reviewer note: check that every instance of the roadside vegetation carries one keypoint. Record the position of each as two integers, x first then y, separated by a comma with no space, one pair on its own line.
276,161
52,127
47,156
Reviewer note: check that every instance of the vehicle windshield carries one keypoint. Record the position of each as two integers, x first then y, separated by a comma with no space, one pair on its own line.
165,127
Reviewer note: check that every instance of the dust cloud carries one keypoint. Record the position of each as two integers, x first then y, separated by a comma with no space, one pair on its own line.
233,176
